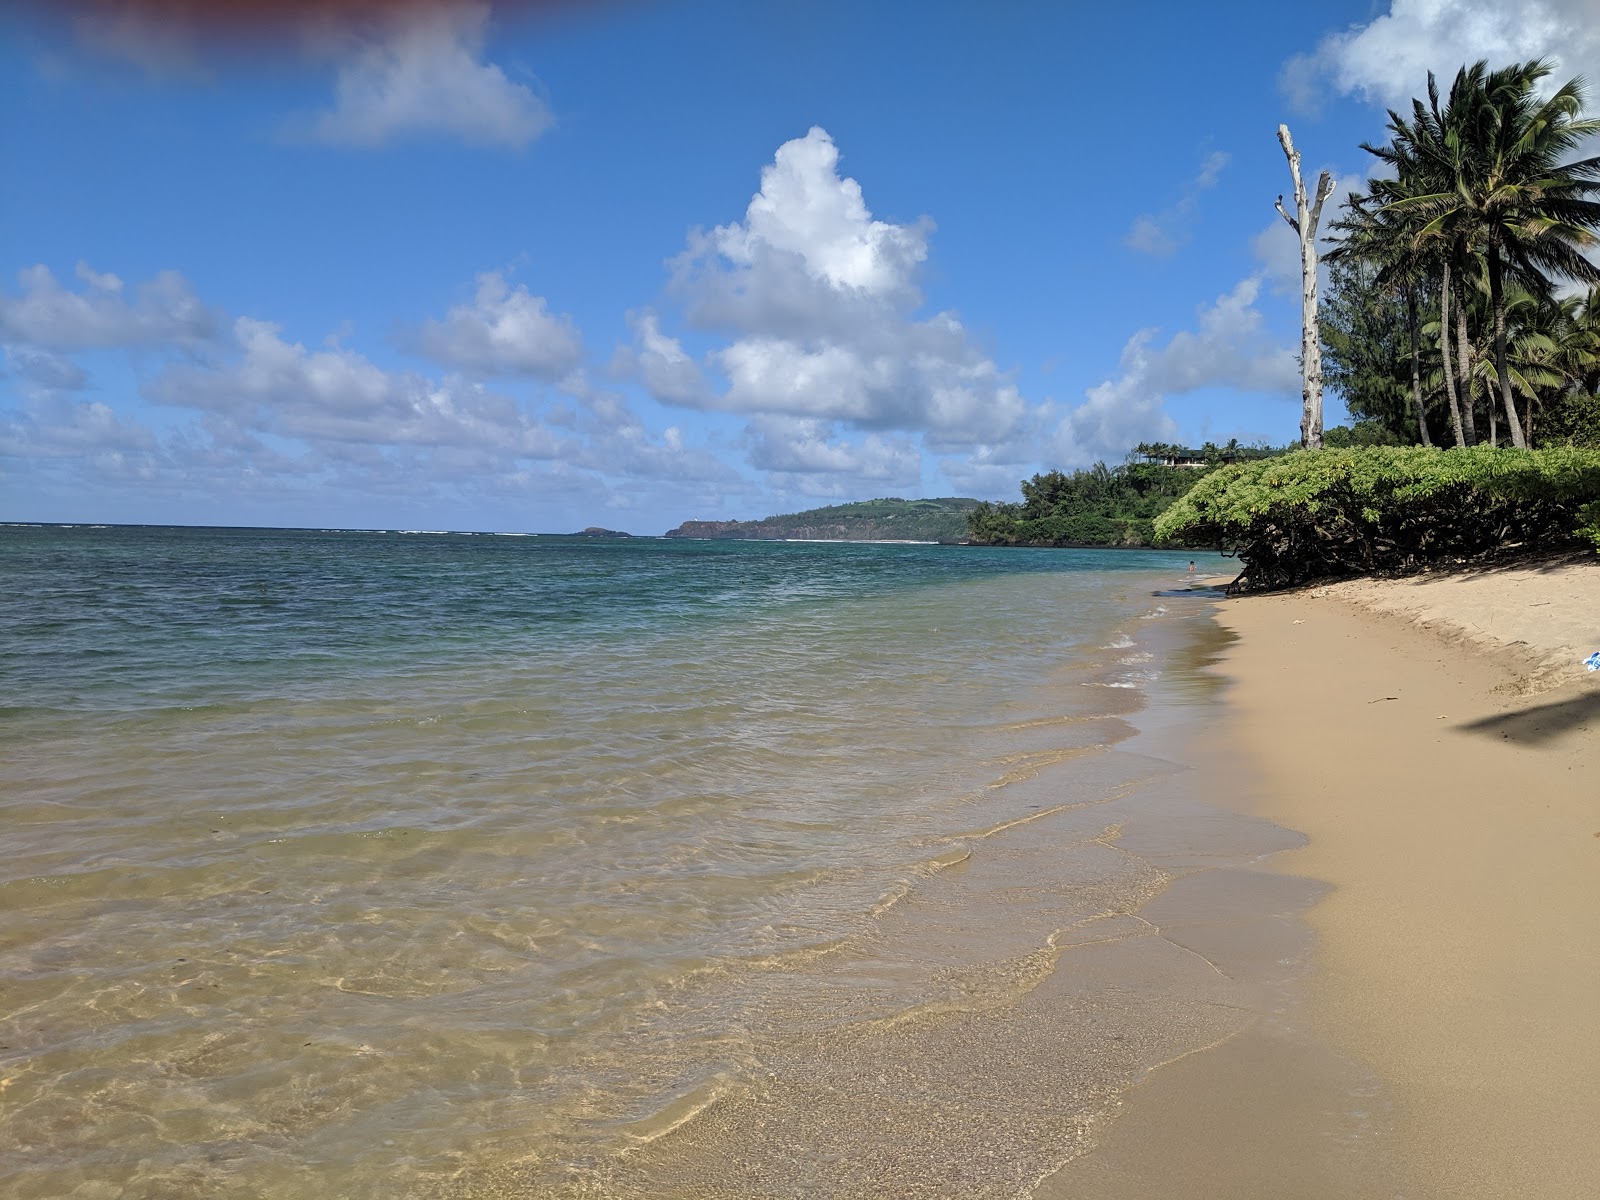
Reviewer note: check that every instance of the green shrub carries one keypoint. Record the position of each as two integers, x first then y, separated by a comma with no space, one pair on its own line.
1572,419
1362,433
1101,506
1387,510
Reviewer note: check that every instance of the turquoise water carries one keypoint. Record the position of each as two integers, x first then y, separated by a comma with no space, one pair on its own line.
388,864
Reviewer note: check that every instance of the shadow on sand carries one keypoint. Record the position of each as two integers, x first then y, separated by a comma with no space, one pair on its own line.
1541,722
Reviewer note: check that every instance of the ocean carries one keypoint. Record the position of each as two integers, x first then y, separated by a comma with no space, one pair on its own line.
351,864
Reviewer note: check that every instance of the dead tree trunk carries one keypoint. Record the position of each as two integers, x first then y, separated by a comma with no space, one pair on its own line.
1308,213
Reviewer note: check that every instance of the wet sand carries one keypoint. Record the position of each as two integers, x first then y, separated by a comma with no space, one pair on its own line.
1439,744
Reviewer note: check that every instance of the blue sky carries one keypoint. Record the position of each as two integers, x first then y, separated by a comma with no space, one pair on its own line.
455,265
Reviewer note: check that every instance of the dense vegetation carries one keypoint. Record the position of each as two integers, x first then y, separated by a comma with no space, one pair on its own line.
887,519
1388,510
1445,321
1101,506
1448,319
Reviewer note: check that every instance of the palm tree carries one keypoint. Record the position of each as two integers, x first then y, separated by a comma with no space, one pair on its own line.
1537,327
1530,211
1424,157
1569,348
1578,343
1378,236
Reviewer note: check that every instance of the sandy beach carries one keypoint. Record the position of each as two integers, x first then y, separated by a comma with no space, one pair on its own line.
1436,741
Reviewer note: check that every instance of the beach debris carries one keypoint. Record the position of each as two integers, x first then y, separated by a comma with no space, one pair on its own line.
1381,699
1298,621
1592,663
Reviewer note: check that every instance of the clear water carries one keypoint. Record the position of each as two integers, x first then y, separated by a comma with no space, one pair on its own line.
381,864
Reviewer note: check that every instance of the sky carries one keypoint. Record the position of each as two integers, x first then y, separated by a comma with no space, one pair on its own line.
537,267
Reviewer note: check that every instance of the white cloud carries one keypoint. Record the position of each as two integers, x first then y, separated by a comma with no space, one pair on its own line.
806,209
50,426
100,315
1211,169
424,74
1230,348
44,370
619,445
810,303
257,418
787,444
1160,235
1387,59
337,395
662,365
505,331
1150,234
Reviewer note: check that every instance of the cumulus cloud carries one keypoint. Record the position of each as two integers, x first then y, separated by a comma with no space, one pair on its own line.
660,362
101,314
1150,234
52,426
276,386
1229,348
1161,234
617,444
504,331
257,416
810,305
424,73
43,370
807,210
1387,59
812,448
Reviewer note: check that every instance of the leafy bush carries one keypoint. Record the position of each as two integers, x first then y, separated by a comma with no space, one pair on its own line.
1388,510
1362,433
1101,506
1572,419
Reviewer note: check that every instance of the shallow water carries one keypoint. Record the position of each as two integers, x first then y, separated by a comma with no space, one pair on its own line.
369,864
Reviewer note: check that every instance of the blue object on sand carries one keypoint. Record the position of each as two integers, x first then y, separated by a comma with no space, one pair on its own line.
1592,663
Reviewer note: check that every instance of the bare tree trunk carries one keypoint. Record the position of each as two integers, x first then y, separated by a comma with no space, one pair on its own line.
1497,299
1308,213
1416,363
1464,372
1444,355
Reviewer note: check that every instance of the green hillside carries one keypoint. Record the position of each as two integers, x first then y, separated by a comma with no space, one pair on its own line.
887,519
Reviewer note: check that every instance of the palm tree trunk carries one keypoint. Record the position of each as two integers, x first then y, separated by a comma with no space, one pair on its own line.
1416,363
1444,352
1464,372
1498,300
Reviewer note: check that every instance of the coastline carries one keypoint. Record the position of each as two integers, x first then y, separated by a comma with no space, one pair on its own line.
1434,739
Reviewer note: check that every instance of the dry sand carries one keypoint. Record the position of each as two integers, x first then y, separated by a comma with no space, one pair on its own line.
1438,742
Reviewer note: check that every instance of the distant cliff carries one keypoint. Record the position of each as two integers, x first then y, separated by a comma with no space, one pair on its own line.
888,519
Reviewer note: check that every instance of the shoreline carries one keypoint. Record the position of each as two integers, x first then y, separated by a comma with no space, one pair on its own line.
1047,1012
1434,740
